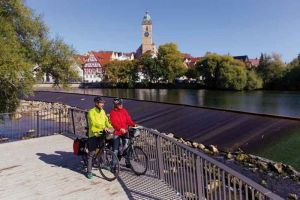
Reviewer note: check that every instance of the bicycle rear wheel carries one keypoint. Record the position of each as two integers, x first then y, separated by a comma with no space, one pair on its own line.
109,166
138,160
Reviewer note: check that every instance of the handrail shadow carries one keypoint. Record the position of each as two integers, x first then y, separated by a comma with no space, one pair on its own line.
145,186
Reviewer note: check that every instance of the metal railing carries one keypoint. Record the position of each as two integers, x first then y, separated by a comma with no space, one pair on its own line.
30,124
191,173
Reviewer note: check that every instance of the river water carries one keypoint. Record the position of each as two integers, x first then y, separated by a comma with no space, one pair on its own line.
267,102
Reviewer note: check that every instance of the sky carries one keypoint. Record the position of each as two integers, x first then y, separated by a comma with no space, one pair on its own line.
235,27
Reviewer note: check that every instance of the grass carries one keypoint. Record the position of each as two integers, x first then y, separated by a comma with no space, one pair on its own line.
285,150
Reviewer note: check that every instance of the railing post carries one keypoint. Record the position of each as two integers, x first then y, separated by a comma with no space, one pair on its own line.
199,178
59,121
38,123
160,157
73,122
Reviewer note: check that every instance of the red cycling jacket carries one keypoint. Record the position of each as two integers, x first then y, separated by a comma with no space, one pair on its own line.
120,119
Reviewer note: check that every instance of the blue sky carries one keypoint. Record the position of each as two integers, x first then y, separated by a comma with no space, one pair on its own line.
237,27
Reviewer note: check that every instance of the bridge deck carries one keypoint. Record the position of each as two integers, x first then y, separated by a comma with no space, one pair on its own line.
45,168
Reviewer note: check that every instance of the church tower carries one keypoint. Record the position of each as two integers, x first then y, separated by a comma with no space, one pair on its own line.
147,41
146,33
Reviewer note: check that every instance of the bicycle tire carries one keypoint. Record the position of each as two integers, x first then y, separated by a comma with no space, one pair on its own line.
138,160
109,166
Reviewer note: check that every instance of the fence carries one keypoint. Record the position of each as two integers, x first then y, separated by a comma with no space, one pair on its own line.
24,125
191,173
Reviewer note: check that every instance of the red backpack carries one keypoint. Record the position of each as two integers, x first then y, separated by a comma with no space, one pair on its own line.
79,146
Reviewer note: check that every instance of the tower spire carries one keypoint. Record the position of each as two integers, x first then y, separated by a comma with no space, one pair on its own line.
147,19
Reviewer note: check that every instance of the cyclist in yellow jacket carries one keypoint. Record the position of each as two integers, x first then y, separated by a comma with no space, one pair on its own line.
98,123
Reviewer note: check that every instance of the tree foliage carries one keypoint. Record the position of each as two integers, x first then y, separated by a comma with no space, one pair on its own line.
170,60
121,72
292,78
24,43
272,70
222,72
192,73
253,81
150,68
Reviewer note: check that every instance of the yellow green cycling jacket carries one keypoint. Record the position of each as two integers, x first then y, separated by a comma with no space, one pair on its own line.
97,121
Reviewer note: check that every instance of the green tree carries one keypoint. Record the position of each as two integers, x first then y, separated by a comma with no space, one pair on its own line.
23,42
56,58
121,72
232,74
292,78
192,73
170,59
253,81
272,70
222,72
150,68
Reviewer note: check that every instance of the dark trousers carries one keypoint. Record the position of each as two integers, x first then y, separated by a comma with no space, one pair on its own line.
92,144
120,143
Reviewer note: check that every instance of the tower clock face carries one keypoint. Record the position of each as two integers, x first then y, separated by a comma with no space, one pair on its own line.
146,34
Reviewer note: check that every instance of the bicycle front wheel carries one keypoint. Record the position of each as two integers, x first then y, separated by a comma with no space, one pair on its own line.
109,166
138,160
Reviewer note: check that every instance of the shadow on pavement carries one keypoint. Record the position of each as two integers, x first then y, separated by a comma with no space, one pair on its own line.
63,159
145,186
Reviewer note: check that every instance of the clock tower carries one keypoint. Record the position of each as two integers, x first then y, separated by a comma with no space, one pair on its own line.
146,33
147,41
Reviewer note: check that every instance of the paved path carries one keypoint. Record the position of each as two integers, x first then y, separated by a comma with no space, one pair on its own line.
45,168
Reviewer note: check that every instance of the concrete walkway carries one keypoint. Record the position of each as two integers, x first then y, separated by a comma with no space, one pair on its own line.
45,168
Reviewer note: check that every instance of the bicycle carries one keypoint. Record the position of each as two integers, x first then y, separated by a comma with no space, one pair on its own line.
104,159
137,157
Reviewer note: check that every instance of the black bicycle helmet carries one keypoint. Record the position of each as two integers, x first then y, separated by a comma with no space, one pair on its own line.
118,101
98,99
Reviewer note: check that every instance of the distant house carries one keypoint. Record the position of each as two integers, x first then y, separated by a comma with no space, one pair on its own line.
189,60
250,63
93,65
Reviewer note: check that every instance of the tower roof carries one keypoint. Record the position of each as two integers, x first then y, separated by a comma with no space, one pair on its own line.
147,19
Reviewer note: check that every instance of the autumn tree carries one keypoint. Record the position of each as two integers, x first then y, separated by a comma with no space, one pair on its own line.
170,60
124,72
150,68
272,70
24,43
222,72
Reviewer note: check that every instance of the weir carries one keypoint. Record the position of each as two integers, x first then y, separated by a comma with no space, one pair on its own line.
229,130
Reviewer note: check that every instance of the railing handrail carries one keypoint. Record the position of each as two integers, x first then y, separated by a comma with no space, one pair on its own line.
245,179
33,110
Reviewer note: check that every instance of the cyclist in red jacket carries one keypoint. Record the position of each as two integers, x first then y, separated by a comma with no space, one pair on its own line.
120,120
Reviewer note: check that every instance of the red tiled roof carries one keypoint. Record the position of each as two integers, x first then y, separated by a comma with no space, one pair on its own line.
81,59
103,57
254,62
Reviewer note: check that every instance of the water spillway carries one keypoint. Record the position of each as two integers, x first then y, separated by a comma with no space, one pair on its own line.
228,130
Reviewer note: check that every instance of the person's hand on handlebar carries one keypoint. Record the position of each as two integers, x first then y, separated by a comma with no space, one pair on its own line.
123,130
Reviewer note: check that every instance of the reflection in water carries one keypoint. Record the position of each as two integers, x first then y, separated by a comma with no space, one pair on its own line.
268,102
